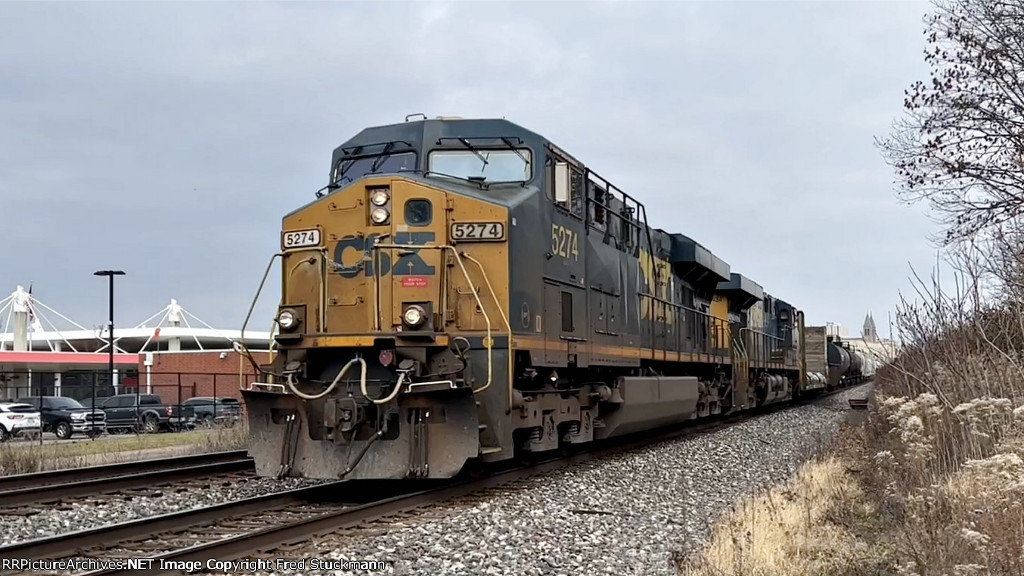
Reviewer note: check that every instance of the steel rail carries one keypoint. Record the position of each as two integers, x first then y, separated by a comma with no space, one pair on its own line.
13,481
64,545
23,489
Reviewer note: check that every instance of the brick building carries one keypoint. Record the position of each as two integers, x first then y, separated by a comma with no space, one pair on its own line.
197,372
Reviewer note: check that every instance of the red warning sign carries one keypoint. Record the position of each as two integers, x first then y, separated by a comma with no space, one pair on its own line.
414,282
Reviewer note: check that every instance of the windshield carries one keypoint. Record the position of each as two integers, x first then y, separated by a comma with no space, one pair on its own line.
492,165
61,402
351,170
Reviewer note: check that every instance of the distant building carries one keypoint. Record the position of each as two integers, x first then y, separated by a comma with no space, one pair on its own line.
870,333
166,354
872,344
835,329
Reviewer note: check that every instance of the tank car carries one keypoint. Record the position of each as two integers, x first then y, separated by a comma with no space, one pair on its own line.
463,291
845,365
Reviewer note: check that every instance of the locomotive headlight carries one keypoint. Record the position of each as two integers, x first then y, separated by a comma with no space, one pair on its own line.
379,197
379,215
286,320
414,315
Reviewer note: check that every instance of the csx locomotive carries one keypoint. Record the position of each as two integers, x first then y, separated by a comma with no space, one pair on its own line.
465,291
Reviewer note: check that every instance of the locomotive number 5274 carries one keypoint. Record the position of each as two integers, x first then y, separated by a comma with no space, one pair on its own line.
478,231
565,242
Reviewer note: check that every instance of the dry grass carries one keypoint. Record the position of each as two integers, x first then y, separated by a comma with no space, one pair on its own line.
955,477
819,522
25,457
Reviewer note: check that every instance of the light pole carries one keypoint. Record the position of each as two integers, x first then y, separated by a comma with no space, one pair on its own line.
110,326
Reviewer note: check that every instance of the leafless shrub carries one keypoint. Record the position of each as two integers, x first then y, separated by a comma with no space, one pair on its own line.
945,438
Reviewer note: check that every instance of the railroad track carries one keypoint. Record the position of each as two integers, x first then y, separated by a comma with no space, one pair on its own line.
255,527
244,528
21,490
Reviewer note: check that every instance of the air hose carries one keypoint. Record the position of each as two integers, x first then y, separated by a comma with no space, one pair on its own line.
337,379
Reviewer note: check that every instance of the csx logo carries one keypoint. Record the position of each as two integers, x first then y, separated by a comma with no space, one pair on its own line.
408,264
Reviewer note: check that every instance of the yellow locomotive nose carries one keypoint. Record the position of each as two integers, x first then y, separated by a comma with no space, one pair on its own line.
387,327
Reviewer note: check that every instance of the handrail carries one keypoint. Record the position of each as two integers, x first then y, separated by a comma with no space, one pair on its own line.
489,340
258,291
239,345
752,331
769,349
508,326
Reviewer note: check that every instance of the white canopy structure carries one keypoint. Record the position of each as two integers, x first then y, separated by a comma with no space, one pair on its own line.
25,312
27,327
39,343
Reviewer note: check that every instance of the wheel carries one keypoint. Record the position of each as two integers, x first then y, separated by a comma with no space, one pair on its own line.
567,450
150,424
63,430
475,469
207,421
4,434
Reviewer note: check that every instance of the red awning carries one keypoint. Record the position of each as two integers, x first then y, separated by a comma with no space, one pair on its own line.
79,358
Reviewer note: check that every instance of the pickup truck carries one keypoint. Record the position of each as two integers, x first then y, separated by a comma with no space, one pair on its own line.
210,410
66,416
146,413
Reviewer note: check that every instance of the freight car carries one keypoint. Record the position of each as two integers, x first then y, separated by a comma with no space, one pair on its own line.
830,359
465,291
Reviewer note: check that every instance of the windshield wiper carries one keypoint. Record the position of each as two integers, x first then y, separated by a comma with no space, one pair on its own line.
351,156
351,161
478,180
513,148
474,151
380,159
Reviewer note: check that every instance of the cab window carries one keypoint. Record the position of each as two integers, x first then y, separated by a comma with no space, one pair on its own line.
486,165
355,168
565,183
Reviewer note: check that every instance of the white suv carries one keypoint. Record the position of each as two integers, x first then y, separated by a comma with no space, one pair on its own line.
18,420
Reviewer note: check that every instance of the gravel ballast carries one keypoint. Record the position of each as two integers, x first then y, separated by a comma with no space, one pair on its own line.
81,514
635,513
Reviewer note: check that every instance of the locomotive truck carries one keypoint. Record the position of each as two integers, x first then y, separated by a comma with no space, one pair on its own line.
465,291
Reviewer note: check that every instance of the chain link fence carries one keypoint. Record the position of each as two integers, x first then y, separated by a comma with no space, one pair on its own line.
150,402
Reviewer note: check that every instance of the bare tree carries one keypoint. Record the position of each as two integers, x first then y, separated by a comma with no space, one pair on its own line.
960,146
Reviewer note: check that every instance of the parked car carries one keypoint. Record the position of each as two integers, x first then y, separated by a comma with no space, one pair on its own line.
146,413
87,402
65,416
215,409
17,419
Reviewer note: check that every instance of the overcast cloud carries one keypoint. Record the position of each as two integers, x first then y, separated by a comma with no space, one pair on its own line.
169,139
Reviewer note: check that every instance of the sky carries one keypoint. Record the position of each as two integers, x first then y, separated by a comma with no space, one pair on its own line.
169,139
